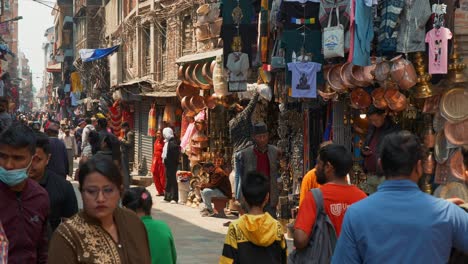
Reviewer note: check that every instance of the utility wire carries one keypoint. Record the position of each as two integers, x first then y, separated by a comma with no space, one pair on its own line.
44,4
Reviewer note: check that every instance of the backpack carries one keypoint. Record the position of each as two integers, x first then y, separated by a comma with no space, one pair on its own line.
323,240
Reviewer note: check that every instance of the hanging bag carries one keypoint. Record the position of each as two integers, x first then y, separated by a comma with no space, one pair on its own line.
277,58
333,37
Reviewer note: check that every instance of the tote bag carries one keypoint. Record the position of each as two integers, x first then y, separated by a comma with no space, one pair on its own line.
333,37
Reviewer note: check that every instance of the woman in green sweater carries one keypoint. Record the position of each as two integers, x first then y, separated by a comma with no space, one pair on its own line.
161,242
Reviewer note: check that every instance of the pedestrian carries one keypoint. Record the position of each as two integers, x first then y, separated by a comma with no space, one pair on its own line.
160,237
127,145
217,186
5,117
79,135
256,237
72,149
112,144
58,161
170,156
333,164
263,158
24,204
86,130
381,125
400,223
92,147
62,196
3,246
157,166
102,232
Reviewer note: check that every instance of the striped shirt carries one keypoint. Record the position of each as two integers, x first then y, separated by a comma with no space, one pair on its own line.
3,246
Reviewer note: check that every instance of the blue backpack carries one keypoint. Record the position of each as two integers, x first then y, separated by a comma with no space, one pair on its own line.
323,240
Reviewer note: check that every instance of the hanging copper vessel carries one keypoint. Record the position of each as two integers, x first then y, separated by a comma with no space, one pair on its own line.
378,98
429,136
429,164
403,73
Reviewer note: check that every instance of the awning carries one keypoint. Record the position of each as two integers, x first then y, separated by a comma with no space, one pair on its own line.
200,56
88,55
159,94
149,82
55,67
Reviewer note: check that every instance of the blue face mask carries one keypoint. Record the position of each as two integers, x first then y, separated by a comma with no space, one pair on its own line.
14,177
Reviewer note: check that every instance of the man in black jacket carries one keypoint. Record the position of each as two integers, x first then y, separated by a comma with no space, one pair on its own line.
58,162
63,203
381,126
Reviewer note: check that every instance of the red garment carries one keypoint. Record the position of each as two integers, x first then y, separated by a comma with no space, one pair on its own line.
336,199
157,168
263,163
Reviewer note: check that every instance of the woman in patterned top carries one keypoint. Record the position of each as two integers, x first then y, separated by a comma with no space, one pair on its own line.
101,233
3,246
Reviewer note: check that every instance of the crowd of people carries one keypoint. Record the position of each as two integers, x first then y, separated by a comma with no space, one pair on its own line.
336,222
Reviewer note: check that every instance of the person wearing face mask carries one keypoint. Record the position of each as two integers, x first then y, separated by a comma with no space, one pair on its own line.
24,204
333,164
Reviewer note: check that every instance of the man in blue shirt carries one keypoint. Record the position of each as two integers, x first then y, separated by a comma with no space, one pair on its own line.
399,223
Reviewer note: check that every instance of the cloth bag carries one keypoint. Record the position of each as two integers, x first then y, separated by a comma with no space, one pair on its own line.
333,37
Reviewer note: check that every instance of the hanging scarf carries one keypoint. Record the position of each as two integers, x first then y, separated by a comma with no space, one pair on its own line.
152,121
168,134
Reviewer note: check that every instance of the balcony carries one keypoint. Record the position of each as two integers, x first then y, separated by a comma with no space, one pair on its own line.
68,23
79,5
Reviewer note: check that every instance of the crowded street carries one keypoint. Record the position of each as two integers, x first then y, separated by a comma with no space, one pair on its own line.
233,131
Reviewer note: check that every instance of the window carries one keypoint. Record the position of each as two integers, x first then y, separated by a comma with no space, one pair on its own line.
163,34
187,35
147,50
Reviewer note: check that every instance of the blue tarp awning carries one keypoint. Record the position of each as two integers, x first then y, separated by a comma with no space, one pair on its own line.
88,55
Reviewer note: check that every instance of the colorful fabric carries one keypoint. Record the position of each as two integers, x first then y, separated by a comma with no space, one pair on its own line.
303,21
336,199
161,241
388,30
363,34
157,167
438,46
254,239
75,82
152,126
309,181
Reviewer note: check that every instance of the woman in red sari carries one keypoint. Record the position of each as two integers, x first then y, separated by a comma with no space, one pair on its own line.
157,167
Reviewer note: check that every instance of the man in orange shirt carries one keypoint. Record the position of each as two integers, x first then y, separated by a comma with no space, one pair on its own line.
333,164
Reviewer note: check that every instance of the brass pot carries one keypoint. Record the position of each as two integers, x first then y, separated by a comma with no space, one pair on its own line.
378,98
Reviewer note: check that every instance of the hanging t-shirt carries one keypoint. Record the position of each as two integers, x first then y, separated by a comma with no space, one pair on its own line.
304,79
438,44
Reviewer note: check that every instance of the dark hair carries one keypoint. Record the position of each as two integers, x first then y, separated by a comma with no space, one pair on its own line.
399,153
255,187
465,156
138,198
93,139
208,164
88,121
374,110
339,157
103,165
19,135
42,141
102,123
125,124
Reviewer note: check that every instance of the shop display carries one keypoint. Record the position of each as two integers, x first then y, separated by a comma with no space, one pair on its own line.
238,67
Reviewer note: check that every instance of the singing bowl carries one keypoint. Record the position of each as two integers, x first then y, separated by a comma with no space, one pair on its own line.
334,79
378,98
345,75
360,99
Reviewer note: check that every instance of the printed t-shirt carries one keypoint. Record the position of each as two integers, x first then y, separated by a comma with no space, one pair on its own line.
304,79
438,43
336,199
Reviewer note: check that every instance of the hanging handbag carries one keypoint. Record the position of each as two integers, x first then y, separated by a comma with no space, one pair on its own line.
277,59
333,37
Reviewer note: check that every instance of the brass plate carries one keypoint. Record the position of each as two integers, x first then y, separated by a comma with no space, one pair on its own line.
454,106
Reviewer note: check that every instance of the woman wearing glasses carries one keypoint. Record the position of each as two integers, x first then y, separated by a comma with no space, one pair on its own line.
102,232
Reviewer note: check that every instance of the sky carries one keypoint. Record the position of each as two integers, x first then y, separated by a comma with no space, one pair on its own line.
36,19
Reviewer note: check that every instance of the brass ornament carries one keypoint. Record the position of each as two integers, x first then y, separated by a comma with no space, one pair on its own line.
424,88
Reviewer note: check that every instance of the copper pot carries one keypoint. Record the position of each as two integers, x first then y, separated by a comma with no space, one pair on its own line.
429,137
210,101
382,70
378,98
345,74
360,99
197,103
358,76
368,73
396,101
207,73
334,79
186,90
403,73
